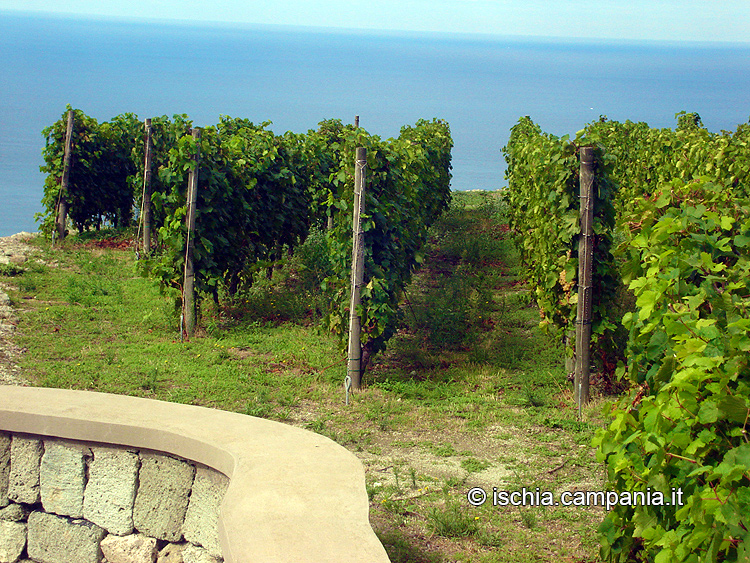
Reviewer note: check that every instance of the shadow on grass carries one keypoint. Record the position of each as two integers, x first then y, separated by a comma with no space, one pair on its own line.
401,550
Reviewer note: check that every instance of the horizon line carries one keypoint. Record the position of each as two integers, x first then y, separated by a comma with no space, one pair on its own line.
383,32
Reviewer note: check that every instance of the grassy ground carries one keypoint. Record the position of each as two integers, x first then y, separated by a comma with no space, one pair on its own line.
469,393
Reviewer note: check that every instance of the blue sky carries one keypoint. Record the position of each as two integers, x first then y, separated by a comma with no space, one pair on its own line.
670,20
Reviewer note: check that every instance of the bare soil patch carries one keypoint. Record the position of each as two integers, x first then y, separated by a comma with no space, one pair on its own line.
14,252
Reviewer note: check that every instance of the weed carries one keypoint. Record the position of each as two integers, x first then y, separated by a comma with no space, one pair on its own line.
317,426
11,270
261,410
413,476
529,519
489,539
446,450
453,521
400,549
109,357
473,465
452,483
151,380
89,290
372,490
396,474
393,506
27,284
533,397
402,444
444,315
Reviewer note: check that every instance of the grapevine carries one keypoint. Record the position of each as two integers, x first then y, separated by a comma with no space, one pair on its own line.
258,196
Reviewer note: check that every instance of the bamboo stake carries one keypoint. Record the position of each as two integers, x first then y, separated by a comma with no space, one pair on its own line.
569,340
62,206
585,267
188,288
358,252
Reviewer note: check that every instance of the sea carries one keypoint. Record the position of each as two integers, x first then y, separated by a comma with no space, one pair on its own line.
296,77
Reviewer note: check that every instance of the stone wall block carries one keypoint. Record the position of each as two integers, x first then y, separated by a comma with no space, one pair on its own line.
202,518
194,554
56,539
25,458
4,468
62,478
12,541
110,490
171,553
14,513
135,548
163,493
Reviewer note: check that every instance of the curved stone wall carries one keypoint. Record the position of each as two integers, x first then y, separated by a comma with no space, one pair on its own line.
291,495
129,506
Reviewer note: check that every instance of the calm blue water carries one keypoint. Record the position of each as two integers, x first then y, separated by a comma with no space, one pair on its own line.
297,78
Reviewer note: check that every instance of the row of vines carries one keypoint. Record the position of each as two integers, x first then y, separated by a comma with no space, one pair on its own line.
259,195
676,204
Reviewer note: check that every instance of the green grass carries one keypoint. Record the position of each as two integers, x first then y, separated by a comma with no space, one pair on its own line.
469,388
10,270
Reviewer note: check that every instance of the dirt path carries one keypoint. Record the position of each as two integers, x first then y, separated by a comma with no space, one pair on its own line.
13,251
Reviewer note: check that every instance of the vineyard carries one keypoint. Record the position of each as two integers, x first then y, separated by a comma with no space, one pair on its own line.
258,197
670,274
666,304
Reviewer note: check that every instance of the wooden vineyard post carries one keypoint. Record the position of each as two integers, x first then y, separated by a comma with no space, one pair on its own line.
146,203
585,267
354,370
188,288
62,203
